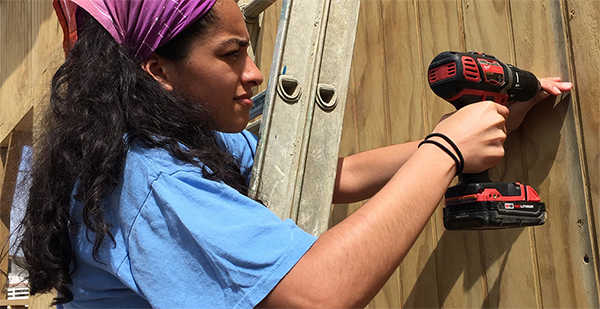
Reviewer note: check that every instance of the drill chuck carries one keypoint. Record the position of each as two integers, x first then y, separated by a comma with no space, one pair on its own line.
525,85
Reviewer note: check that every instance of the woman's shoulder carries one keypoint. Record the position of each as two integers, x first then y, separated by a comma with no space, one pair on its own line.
145,161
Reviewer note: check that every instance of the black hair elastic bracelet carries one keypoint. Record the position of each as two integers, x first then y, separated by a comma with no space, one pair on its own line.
458,153
460,161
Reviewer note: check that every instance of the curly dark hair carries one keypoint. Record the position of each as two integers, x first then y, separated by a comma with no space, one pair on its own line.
102,101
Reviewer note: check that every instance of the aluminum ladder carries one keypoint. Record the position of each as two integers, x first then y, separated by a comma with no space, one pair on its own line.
296,160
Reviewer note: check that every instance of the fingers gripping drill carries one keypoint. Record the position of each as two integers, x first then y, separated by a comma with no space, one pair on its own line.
477,202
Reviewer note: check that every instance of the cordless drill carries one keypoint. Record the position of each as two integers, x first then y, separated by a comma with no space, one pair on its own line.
476,202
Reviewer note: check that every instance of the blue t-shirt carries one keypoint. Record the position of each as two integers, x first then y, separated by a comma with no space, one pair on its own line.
182,241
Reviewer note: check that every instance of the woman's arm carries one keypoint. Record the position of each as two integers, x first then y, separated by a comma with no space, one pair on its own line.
361,175
349,263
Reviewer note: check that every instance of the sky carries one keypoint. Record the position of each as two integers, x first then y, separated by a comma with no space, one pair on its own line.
21,196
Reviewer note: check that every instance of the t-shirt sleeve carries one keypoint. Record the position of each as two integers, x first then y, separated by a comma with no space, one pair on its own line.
199,243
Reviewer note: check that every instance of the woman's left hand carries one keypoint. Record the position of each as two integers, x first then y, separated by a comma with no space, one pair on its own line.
518,110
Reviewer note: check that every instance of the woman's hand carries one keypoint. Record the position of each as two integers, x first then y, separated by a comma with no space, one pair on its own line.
479,129
518,110
479,132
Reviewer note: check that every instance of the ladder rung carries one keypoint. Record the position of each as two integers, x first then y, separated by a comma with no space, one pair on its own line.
259,104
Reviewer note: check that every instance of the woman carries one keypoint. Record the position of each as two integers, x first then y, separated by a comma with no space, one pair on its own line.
138,196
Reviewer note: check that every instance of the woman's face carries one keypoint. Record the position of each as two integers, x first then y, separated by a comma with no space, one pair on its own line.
218,71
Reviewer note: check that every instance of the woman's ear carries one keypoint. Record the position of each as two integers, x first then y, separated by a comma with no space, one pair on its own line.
161,69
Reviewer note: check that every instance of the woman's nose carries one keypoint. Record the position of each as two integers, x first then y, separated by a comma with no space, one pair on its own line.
252,74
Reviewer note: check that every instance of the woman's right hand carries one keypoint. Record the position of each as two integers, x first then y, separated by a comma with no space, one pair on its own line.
479,132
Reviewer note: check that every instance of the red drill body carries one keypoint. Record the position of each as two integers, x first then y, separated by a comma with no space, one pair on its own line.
477,202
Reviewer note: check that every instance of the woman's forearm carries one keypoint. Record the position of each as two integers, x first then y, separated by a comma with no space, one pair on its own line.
349,263
361,175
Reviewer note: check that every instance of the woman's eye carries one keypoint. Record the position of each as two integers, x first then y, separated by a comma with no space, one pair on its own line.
232,53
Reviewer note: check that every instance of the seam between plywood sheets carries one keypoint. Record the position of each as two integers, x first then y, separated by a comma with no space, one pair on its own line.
386,97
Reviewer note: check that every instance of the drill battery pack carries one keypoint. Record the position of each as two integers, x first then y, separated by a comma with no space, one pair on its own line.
492,205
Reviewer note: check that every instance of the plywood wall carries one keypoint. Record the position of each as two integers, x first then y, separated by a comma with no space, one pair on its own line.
556,150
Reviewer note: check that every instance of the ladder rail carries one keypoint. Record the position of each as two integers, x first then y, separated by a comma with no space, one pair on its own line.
303,112
267,108
297,189
287,107
316,191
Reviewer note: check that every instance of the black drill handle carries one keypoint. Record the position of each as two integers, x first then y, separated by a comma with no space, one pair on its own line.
474,178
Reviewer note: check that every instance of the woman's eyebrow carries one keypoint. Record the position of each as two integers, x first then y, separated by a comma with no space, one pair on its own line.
237,41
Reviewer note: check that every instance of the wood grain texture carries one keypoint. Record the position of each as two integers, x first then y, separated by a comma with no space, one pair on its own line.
371,88
405,75
549,142
457,260
582,18
15,97
507,259
30,52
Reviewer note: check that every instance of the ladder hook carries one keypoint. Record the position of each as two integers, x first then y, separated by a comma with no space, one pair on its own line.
326,97
289,88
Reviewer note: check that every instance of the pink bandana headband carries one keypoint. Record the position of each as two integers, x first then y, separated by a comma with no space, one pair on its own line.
143,25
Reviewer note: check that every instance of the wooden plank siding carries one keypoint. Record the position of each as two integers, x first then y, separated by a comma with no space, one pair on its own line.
506,255
583,52
557,149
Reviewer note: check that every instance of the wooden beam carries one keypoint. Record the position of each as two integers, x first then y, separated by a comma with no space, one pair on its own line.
28,65
5,228
42,301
